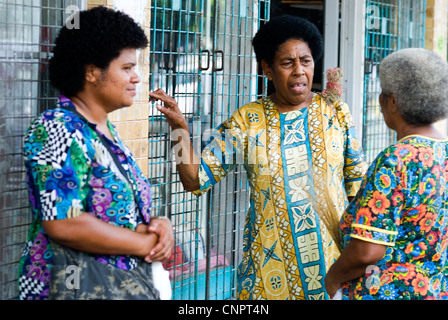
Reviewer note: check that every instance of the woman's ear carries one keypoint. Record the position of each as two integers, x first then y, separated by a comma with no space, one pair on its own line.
266,69
92,73
393,103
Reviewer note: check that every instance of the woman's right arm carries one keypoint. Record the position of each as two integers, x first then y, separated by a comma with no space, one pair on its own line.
89,234
186,159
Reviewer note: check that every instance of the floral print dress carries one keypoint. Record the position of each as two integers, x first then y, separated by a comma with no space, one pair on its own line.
402,204
69,171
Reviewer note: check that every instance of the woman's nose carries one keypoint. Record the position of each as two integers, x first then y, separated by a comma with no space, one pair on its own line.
135,78
298,69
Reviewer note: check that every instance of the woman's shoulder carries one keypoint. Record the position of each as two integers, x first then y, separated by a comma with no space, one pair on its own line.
48,123
395,155
57,117
252,113
256,105
336,104
53,132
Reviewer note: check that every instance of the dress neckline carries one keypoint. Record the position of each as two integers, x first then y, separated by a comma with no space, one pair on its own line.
268,101
423,137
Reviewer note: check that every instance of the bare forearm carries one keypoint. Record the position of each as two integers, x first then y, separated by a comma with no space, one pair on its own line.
353,263
189,176
88,234
347,268
186,159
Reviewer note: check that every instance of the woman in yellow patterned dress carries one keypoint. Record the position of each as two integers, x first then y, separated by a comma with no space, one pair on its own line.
286,142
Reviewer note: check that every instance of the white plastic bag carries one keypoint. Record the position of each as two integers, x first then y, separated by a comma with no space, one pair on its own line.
337,295
161,279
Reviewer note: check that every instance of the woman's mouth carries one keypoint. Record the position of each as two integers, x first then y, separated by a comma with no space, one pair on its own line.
298,87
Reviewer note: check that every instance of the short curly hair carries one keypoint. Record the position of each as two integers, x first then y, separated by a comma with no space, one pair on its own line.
102,34
281,29
418,78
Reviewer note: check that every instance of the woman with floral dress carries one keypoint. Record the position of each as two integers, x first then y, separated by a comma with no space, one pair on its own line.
79,197
395,232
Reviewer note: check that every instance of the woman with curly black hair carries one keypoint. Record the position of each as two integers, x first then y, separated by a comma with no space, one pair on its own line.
87,193
289,143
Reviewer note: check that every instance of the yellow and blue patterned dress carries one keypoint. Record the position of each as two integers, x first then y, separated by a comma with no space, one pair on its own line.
287,250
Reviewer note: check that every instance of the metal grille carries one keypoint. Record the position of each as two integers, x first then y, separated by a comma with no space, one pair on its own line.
27,32
201,54
391,25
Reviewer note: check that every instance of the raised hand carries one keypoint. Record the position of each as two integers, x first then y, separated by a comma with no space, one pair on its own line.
170,109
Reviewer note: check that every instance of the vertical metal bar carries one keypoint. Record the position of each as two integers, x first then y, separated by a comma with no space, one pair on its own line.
213,27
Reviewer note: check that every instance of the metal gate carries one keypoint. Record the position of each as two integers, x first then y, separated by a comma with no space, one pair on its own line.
201,54
27,32
391,25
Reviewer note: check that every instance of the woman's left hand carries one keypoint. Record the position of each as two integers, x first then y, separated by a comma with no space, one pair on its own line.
331,287
164,229
170,109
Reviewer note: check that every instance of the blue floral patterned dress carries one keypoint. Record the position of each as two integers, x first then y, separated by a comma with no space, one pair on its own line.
69,171
402,204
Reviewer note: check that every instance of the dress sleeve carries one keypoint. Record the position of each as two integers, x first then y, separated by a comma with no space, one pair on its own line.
354,160
377,208
57,170
222,154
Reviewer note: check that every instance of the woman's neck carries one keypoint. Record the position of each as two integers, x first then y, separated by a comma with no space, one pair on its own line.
93,114
287,107
429,131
